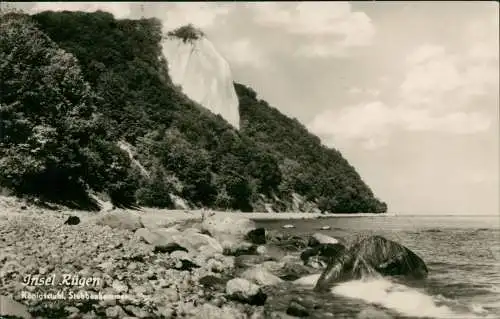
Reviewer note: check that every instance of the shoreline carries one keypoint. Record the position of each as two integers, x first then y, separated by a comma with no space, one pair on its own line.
300,216
195,214
11,204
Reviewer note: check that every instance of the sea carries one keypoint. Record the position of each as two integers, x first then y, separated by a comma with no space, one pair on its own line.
462,254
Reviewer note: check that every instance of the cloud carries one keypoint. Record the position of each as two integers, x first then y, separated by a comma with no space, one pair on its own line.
373,123
425,53
478,177
355,90
437,78
370,92
201,14
332,27
431,74
243,52
444,91
369,123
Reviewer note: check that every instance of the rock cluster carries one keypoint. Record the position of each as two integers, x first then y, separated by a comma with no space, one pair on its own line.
194,269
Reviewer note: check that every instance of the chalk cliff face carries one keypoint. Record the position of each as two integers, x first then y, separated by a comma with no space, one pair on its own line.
203,74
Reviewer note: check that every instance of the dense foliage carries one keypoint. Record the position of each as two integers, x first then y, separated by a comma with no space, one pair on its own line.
95,80
53,142
308,167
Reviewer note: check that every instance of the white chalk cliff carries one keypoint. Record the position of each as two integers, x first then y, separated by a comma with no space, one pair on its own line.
203,74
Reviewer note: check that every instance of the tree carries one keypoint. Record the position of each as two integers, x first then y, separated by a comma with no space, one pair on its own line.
155,192
186,33
264,168
52,137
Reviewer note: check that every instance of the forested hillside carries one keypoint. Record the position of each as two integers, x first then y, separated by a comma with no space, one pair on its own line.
307,167
74,84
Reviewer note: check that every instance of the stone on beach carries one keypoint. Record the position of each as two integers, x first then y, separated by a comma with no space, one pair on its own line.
148,236
323,252
186,264
285,241
120,220
242,290
213,282
261,250
119,287
293,270
296,309
319,239
309,280
272,265
209,311
257,236
233,247
228,224
168,248
115,312
194,241
72,220
247,261
261,276
190,239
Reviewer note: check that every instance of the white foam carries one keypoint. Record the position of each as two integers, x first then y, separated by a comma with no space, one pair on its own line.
403,299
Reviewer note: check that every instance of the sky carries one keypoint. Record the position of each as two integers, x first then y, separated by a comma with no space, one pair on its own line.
407,91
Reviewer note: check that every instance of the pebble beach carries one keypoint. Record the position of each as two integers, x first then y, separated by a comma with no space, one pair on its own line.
133,264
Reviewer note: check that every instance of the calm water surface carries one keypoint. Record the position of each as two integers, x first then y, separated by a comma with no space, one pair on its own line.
461,252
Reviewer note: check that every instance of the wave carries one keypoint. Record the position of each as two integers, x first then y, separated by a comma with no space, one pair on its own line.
406,300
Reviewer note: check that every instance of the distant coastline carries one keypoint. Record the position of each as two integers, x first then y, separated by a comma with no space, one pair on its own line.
286,215
291,215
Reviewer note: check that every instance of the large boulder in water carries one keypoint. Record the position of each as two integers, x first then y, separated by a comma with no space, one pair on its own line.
390,258
370,256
